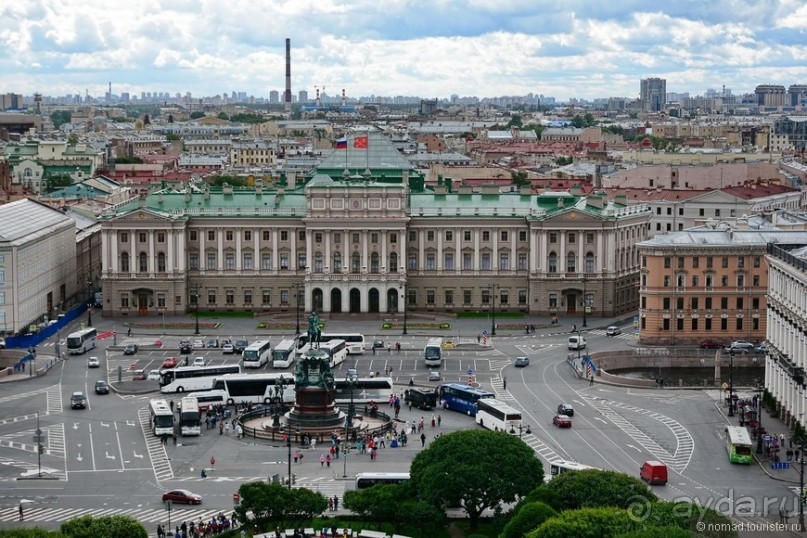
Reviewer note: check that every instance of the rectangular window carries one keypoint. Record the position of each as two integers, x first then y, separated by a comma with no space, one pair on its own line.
707,324
430,297
193,261
211,235
724,303
504,297
680,262
467,261
449,297
522,236
665,326
248,260
194,236
522,297
694,303
756,261
301,260
485,235
211,261
124,300
740,261
739,303
229,261
430,235
301,235
284,235
448,261
266,261
467,296
266,235
393,238
756,281
503,235
708,303
485,296
522,261
694,325
755,324
466,235
553,300
160,300
318,237
679,325
247,297
724,280
701,212
590,238
266,297
284,261
161,237
708,262
486,261
572,238
228,235
553,237
739,324
449,235
413,236
666,281
679,303
696,262
431,264
740,281
124,237
724,262
374,238
284,297
755,303
211,296
667,262
666,303
247,235
229,297
504,261
141,237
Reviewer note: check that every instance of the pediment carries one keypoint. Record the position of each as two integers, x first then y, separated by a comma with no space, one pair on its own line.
574,216
141,215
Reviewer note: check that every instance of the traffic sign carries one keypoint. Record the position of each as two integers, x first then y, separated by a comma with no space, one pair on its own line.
484,333
470,372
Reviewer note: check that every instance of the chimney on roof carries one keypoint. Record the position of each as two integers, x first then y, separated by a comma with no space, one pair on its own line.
287,96
207,192
187,196
141,201
560,202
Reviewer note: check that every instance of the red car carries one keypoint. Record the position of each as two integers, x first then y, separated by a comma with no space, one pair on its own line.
182,496
170,362
711,344
562,421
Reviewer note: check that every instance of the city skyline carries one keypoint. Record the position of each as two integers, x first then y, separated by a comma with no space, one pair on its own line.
430,49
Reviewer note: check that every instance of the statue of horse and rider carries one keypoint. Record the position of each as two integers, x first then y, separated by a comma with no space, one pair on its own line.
314,333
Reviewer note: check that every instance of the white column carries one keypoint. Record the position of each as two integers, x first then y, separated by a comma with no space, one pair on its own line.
328,237
239,265
439,254
152,254
477,263
276,252
220,250
494,256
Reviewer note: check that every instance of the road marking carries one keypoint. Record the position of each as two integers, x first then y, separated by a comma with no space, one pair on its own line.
156,451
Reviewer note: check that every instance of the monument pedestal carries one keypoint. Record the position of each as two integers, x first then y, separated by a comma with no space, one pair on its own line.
314,408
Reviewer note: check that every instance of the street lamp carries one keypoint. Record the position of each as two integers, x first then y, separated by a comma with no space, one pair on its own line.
760,391
731,383
405,287
89,302
351,410
493,287
196,300
297,289
585,302
521,430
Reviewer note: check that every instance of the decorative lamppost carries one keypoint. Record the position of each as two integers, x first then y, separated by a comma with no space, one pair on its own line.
297,289
196,301
405,301
351,411
731,383
521,430
493,288
585,302
89,302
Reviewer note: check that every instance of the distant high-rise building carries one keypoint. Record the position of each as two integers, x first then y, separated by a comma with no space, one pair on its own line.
302,96
770,95
274,96
797,94
653,94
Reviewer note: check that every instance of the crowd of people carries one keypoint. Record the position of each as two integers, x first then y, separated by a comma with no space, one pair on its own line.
202,529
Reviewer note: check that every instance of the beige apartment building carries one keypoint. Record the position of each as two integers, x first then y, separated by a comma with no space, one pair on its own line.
707,283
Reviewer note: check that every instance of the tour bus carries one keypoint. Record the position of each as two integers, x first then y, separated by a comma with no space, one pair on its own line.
368,480
422,399
190,378
254,388
365,390
161,418
190,419
561,466
81,341
354,341
336,349
496,415
462,398
257,354
433,352
284,353
207,399
738,445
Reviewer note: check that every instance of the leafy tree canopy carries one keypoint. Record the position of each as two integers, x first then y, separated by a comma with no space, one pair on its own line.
128,160
196,114
520,178
563,161
274,502
60,117
223,116
72,140
478,468
30,533
592,487
515,121
117,526
615,129
586,523
528,517
172,137
235,181
583,121
57,182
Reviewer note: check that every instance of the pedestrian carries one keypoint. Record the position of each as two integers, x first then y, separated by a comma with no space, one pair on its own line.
434,420
160,532
171,405
296,456
330,504
221,427
328,460
504,383
22,514
322,460
781,439
439,420
790,441
212,461
174,438
129,332
591,381
478,338
313,443
335,502
423,439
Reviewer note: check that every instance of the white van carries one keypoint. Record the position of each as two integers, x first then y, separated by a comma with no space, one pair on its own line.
577,342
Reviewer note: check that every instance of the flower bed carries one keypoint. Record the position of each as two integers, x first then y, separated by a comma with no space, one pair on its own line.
285,325
173,325
444,326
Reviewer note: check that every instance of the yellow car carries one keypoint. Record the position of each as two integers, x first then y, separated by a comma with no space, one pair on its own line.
448,345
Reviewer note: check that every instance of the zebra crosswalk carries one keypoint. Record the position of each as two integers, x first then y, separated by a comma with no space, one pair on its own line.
622,336
36,513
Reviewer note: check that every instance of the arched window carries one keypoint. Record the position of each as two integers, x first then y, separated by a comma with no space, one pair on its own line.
393,262
589,262
374,265
318,262
143,263
124,262
337,262
355,263
571,263
161,262
553,263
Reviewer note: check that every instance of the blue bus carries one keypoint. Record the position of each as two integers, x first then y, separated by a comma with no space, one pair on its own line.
462,398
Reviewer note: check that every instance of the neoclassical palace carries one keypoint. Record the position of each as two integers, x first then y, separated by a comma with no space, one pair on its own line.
365,243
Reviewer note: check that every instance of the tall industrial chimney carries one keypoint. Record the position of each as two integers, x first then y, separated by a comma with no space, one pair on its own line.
288,75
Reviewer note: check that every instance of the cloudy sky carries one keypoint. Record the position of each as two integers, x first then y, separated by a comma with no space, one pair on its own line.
429,48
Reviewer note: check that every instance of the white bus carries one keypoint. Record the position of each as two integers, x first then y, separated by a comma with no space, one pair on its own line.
336,349
368,480
496,415
354,341
254,388
433,352
208,399
161,418
257,354
284,353
81,341
190,378
561,466
190,419
365,389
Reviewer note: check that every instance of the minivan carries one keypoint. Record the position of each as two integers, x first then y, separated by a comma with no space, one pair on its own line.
421,399
577,342
654,472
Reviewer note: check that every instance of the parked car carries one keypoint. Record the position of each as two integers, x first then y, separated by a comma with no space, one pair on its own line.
241,345
199,361
185,347
521,362
93,362
139,375
761,349
78,401
740,346
130,349
566,409
212,342
101,387
378,344
613,330
562,421
182,496
228,349
154,375
710,344
198,343
434,375
170,362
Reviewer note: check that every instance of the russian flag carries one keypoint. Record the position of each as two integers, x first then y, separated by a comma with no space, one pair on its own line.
341,143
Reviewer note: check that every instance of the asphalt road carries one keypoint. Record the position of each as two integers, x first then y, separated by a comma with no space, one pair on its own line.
104,460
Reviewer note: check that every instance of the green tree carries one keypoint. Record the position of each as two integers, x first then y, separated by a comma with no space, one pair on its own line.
57,182
265,501
479,468
587,523
72,139
515,121
377,504
235,181
223,116
172,137
117,526
30,533
304,504
520,178
60,117
196,114
528,517
592,487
